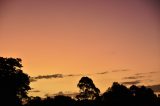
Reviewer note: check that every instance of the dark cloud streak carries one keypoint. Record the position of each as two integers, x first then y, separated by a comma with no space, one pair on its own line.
33,79
105,72
36,91
120,70
131,82
134,77
72,75
49,76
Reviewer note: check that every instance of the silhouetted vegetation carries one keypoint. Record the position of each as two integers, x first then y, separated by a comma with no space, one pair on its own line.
88,91
14,85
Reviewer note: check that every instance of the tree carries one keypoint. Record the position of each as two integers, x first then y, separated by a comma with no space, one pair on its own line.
14,84
117,94
143,95
88,90
35,101
67,101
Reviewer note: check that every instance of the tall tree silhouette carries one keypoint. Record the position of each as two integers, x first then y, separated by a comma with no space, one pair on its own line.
88,90
14,84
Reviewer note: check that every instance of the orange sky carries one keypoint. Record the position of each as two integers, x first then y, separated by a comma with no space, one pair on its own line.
81,37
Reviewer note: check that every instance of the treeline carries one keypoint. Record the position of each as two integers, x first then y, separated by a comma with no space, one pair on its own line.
14,85
116,95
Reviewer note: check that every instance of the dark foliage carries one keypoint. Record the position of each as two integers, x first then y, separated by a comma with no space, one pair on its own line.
15,84
116,95
88,90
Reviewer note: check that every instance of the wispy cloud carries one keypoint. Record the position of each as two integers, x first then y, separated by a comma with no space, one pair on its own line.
72,75
117,70
105,72
134,77
33,90
151,72
120,70
49,76
140,75
71,94
131,82
33,79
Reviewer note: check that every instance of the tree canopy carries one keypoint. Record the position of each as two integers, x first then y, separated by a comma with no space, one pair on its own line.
87,89
14,84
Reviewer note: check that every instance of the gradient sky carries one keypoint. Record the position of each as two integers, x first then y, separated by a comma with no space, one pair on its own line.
84,37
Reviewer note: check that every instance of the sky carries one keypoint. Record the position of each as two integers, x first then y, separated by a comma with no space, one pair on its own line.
107,40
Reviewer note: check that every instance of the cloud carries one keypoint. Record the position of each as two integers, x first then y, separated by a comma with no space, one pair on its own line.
155,88
32,79
35,91
149,80
120,70
140,74
72,75
48,76
133,77
153,72
105,72
117,70
71,94
131,82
